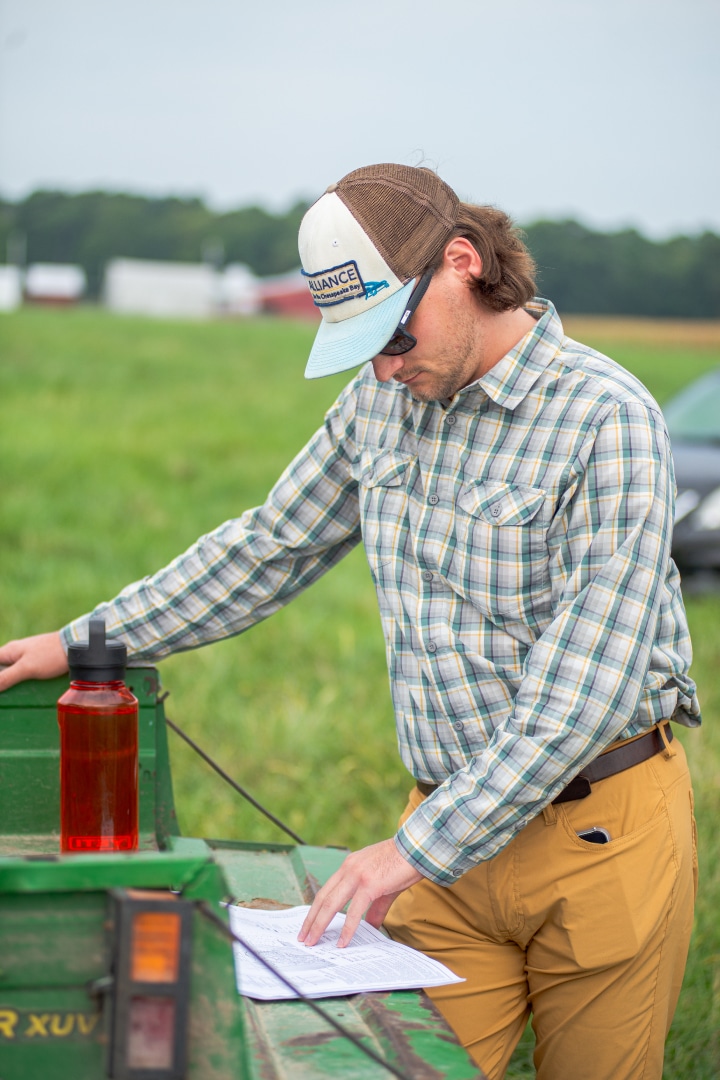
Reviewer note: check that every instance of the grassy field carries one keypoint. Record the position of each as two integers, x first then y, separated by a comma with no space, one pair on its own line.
122,440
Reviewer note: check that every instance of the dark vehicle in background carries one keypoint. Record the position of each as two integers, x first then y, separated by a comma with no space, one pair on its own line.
693,420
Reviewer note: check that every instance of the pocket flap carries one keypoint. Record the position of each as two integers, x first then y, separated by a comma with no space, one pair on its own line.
384,468
499,503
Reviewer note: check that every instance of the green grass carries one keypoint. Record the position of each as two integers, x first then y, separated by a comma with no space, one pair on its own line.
122,440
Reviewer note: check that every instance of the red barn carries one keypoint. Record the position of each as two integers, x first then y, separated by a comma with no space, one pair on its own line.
287,294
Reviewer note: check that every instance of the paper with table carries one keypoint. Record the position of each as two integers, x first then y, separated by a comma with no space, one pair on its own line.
370,962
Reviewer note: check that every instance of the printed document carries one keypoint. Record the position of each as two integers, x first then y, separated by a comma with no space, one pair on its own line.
370,962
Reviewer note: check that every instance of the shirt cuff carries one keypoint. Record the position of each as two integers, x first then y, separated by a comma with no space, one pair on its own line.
424,846
74,632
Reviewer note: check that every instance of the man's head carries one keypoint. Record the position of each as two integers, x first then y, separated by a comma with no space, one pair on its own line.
367,242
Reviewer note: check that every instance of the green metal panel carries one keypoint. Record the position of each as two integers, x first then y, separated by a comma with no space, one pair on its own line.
51,944
53,1035
290,1042
73,873
278,872
30,765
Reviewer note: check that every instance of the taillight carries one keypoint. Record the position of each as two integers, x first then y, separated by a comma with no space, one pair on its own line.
155,946
151,985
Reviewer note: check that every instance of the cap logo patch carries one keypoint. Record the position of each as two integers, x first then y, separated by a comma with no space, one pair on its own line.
336,285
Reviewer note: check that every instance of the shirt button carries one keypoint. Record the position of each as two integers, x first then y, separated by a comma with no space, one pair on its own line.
432,647
496,510
427,575
457,873
434,500
458,725
450,420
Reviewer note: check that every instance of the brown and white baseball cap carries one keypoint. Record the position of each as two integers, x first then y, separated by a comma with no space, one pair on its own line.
362,245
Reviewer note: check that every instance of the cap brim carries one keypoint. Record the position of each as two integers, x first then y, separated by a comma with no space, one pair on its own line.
339,346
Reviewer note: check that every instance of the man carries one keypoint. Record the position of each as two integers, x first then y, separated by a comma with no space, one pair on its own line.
514,492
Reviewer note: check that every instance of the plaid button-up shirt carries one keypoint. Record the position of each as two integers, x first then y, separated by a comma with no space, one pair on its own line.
519,541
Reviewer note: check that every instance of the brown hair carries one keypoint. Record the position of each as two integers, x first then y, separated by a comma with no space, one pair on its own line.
507,280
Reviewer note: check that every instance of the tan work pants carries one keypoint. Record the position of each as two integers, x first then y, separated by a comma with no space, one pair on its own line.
591,939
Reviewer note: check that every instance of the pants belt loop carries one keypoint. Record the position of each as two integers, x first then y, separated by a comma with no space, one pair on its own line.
669,751
549,814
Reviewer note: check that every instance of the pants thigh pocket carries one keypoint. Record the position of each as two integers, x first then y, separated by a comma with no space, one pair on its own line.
615,897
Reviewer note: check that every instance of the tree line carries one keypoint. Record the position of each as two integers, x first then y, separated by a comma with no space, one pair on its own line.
583,271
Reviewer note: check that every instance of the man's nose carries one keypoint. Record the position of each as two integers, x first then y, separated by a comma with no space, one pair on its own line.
386,366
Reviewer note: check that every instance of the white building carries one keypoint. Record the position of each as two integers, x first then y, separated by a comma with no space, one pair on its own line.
238,291
54,283
148,287
179,290
10,288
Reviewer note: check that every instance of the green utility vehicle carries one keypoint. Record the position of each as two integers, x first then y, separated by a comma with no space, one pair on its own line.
120,965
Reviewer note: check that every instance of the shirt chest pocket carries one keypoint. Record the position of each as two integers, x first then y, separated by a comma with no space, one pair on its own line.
501,552
382,489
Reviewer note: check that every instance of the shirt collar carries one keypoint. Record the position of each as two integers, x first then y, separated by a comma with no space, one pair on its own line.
512,378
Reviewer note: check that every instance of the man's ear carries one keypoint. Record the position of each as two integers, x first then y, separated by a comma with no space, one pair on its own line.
461,256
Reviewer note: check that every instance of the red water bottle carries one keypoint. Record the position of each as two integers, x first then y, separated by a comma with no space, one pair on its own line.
98,718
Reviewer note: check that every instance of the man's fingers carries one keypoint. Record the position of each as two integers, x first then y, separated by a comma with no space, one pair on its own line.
331,898
38,657
353,918
344,884
9,652
318,921
315,915
13,673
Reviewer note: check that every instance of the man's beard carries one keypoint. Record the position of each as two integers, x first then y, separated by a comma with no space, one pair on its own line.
457,371
443,384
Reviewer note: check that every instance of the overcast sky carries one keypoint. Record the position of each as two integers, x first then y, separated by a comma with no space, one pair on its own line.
604,110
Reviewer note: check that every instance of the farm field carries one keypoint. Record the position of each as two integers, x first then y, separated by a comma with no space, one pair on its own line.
122,440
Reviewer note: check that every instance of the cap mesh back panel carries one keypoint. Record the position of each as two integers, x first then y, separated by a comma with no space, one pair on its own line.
407,213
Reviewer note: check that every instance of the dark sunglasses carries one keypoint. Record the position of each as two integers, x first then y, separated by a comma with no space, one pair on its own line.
402,342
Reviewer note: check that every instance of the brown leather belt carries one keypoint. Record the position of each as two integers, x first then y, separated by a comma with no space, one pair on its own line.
612,761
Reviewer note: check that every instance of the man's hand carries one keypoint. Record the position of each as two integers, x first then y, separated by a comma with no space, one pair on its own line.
371,879
38,657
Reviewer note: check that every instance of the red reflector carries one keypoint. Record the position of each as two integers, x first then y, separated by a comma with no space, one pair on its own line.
151,1033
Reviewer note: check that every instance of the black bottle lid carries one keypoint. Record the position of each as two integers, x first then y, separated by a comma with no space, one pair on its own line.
99,660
